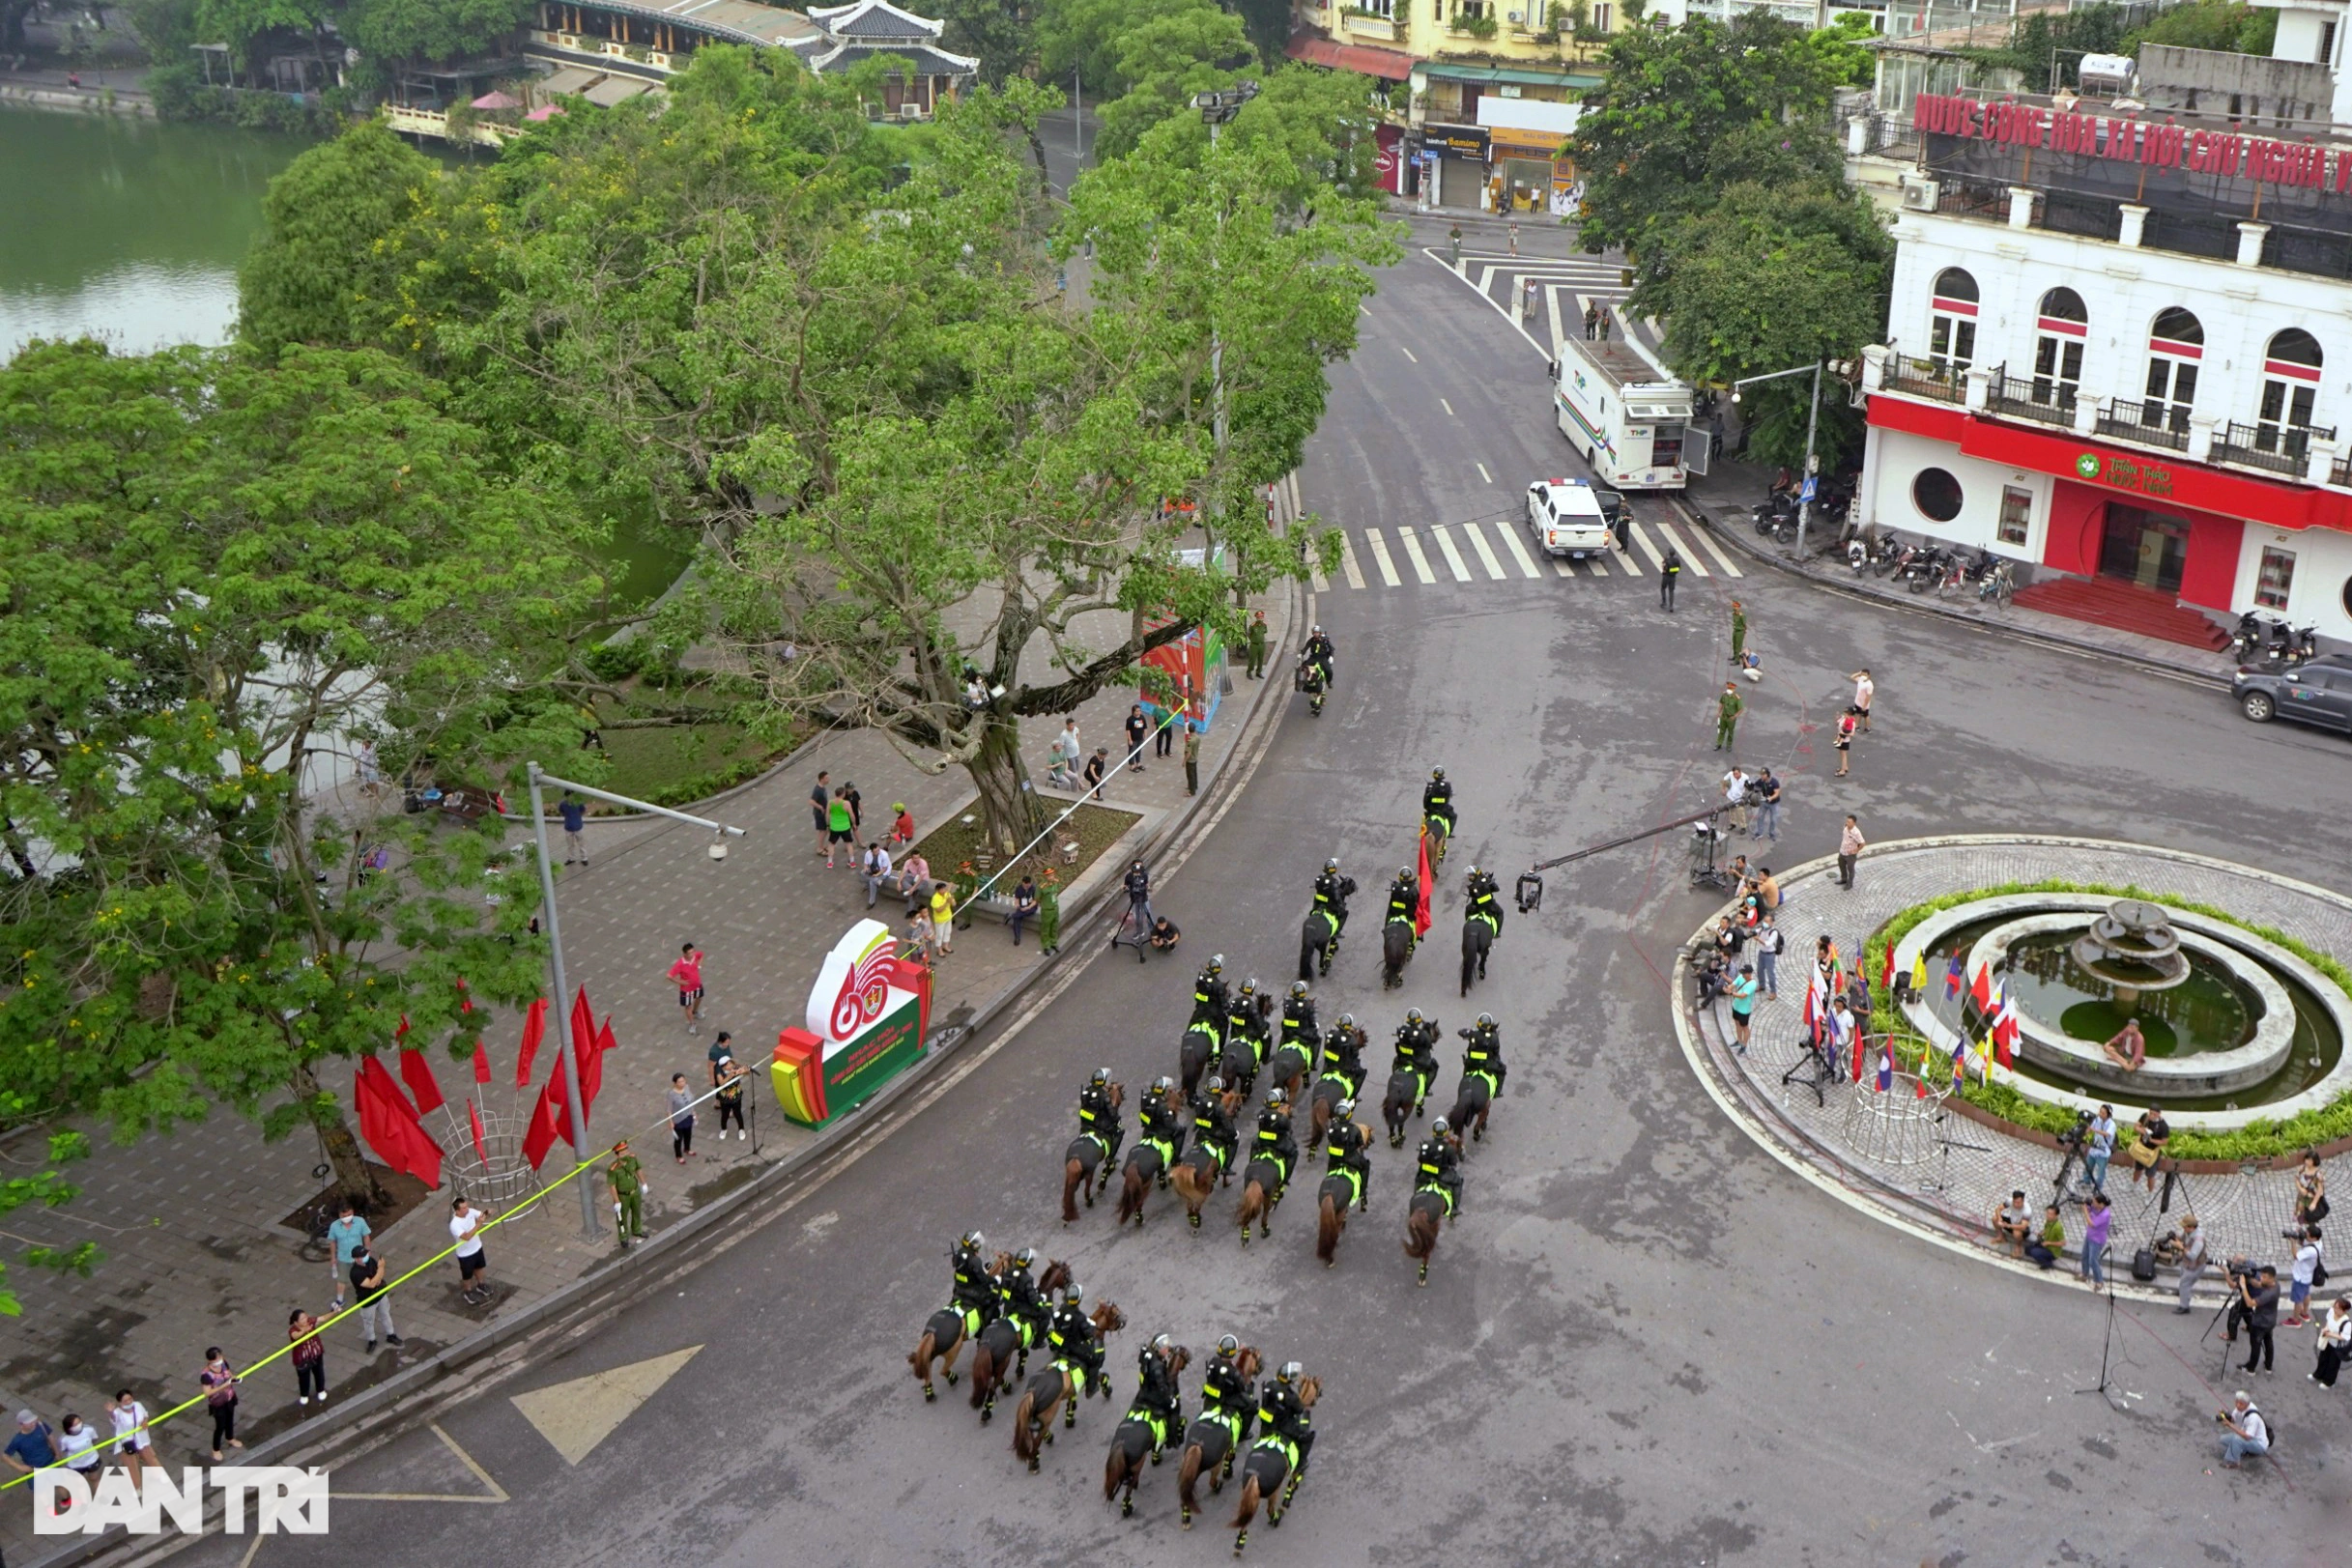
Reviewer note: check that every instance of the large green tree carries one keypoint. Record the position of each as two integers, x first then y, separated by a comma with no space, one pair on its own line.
395,32
341,227
997,33
220,576
1161,62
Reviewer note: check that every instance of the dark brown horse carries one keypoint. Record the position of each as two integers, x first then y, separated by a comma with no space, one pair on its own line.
943,1336
999,1346
1473,1102
1087,1162
1137,1435
1264,1474
1054,1387
1423,1218
1211,1441
1339,1189
1286,1070
1261,1189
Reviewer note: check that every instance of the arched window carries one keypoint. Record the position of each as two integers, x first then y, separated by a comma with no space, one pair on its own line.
2290,386
2176,345
1952,323
2059,333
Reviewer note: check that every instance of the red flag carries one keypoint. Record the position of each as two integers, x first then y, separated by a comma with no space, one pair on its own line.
1858,1056
590,1052
583,1021
481,1064
389,1126
1420,909
1886,975
2004,1039
474,1114
1980,990
417,1074
535,1030
546,1123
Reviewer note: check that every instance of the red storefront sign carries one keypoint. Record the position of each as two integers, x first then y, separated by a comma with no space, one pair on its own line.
2145,476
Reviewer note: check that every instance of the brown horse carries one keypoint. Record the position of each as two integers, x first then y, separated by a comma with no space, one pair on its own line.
1211,1441
1339,1189
1261,1189
1137,1435
1144,1165
1200,1171
1087,1161
1286,1070
1421,1220
943,1336
1054,1387
1000,1346
1264,1474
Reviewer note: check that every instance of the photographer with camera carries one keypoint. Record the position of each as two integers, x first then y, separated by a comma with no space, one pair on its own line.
2190,1253
2302,1273
2258,1308
2247,1432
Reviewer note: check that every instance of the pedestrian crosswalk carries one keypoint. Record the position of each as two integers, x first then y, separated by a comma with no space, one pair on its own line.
1563,289
1443,554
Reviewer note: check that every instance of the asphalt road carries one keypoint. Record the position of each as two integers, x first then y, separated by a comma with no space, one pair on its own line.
1644,1343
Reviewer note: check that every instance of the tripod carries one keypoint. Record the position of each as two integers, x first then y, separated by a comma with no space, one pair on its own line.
1705,839
2219,1315
2059,1193
1943,1162
1813,1070
2107,1342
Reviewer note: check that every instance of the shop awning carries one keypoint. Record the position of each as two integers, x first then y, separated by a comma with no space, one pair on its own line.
1445,70
1385,64
1524,144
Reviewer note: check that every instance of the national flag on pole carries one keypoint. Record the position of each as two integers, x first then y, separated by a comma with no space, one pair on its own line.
1858,1046
1886,974
1960,1070
481,1063
388,1123
1980,990
1983,1060
417,1074
1920,975
584,1020
535,1030
2005,1031
1887,1066
1954,973
547,1122
1816,1014
1420,909
474,1114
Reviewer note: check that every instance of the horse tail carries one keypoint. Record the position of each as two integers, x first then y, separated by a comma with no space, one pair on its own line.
1248,1508
1133,1185
1327,1236
984,1373
1073,1173
1306,950
1114,1469
1187,1181
1318,1122
1188,1474
1253,1202
925,1350
1025,1418
1421,1234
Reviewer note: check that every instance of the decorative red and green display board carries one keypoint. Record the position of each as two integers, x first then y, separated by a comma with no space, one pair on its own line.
866,1017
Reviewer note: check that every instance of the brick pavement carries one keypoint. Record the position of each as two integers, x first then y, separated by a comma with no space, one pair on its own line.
194,1256
2240,1213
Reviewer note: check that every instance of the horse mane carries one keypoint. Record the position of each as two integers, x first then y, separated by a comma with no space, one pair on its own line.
1309,1390
1247,1361
1107,1319
1055,1276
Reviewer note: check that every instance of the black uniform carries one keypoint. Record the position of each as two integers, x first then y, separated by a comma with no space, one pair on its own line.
1347,1154
1318,652
1074,1340
1021,1305
1099,1116
1438,1164
1273,1139
1157,1120
1281,1411
1246,1023
1332,891
1484,1054
1156,1391
1483,902
975,1290
1437,800
1212,1128
1209,999
1224,1390
1417,1049
1299,1026
1404,897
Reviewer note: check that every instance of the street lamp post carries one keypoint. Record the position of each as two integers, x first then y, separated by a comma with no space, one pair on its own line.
590,1224
1813,420
1215,109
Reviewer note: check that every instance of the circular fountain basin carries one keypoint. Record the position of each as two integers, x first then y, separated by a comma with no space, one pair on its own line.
2158,1078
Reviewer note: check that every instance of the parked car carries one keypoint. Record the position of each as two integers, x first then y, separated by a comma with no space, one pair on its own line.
2318,693
1567,518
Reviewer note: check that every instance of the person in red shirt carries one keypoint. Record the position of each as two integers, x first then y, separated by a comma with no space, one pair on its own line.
903,831
687,974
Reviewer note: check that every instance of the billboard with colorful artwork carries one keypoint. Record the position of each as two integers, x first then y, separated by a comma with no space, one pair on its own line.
864,1021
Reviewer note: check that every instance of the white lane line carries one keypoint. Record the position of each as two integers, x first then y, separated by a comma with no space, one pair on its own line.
1413,552
1707,539
1486,278
1453,556
1407,352
1449,408
1551,304
1510,539
1690,557
1484,475
1486,555
1561,564
1647,548
1347,562
1599,568
1380,556
1361,305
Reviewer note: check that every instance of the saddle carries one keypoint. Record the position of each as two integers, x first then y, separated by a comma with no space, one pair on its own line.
1354,1179
1444,1193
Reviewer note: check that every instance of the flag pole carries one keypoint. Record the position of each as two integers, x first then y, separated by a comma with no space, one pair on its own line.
591,1224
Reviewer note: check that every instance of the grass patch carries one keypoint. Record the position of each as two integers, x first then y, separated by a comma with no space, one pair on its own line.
655,765
2257,1140
953,848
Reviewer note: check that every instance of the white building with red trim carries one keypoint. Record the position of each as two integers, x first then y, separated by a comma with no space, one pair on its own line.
2119,351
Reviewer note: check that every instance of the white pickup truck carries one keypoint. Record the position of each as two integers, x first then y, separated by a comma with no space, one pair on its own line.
1567,519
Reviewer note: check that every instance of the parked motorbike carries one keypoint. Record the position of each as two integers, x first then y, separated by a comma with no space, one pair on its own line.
1998,584
2302,644
2246,640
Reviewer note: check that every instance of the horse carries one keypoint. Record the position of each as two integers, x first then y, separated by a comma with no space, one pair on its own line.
1262,1179
1440,831
1339,1188
1429,1206
1396,941
1059,1384
1146,1163
1473,1102
1264,1474
1329,1091
1001,1345
1477,940
1197,1176
1194,1053
1287,1070
1213,1439
1138,1432
1087,1161
1406,1089
1318,942
943,1335
1238,1061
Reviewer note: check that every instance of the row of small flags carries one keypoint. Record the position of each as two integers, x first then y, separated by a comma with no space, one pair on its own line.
1995,1010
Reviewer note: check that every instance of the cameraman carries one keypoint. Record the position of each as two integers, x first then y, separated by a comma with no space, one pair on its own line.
2259,1298
2192,1259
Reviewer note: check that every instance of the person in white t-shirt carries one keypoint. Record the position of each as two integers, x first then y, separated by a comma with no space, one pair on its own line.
1864,689
472,1262
1735,796
2247,1432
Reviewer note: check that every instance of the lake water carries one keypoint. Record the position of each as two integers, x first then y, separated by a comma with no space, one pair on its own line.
132,232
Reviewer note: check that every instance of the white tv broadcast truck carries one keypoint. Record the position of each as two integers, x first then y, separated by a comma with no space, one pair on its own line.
1627,416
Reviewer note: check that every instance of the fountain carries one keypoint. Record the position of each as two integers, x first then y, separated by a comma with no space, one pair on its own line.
2133,948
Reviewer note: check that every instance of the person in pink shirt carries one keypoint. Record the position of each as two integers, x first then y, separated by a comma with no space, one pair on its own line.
687,974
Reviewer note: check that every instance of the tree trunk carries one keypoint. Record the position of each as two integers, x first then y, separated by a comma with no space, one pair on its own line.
353,1177
1009,812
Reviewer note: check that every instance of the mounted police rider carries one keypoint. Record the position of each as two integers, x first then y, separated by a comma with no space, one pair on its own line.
1438,1165
1318,652
1213,1124
1208,993
1157,1123
1274,1140
1404,896
1019,1302
1282,1413
975,1290
1343,1051
1156,1390
1348,1140
1246,1020
1072,1337
1437,800
1224,1391
1481,889
1417,1049
1299,1027
1098,1117
1332,891
1483,1054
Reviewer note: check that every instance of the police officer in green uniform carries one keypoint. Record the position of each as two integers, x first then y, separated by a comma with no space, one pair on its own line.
1258,645
1728,708
628,1179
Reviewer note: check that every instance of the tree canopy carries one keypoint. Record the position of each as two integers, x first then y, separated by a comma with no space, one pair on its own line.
341,226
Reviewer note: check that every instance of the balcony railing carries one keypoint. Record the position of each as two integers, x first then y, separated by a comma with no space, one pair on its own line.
2050,402
2279,448
2151,424
1972,197
1943,380
2341,473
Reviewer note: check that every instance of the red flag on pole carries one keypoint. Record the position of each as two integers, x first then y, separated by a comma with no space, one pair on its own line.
474,1114
382,1082
1421,908
1886,975
417,1074
583,1021
535,1030
546,1123
389,1126
592,1062
1980,990
1858,1054
481,1064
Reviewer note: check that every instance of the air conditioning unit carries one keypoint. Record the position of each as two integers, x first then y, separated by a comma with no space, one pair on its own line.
1919,195
1518,15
